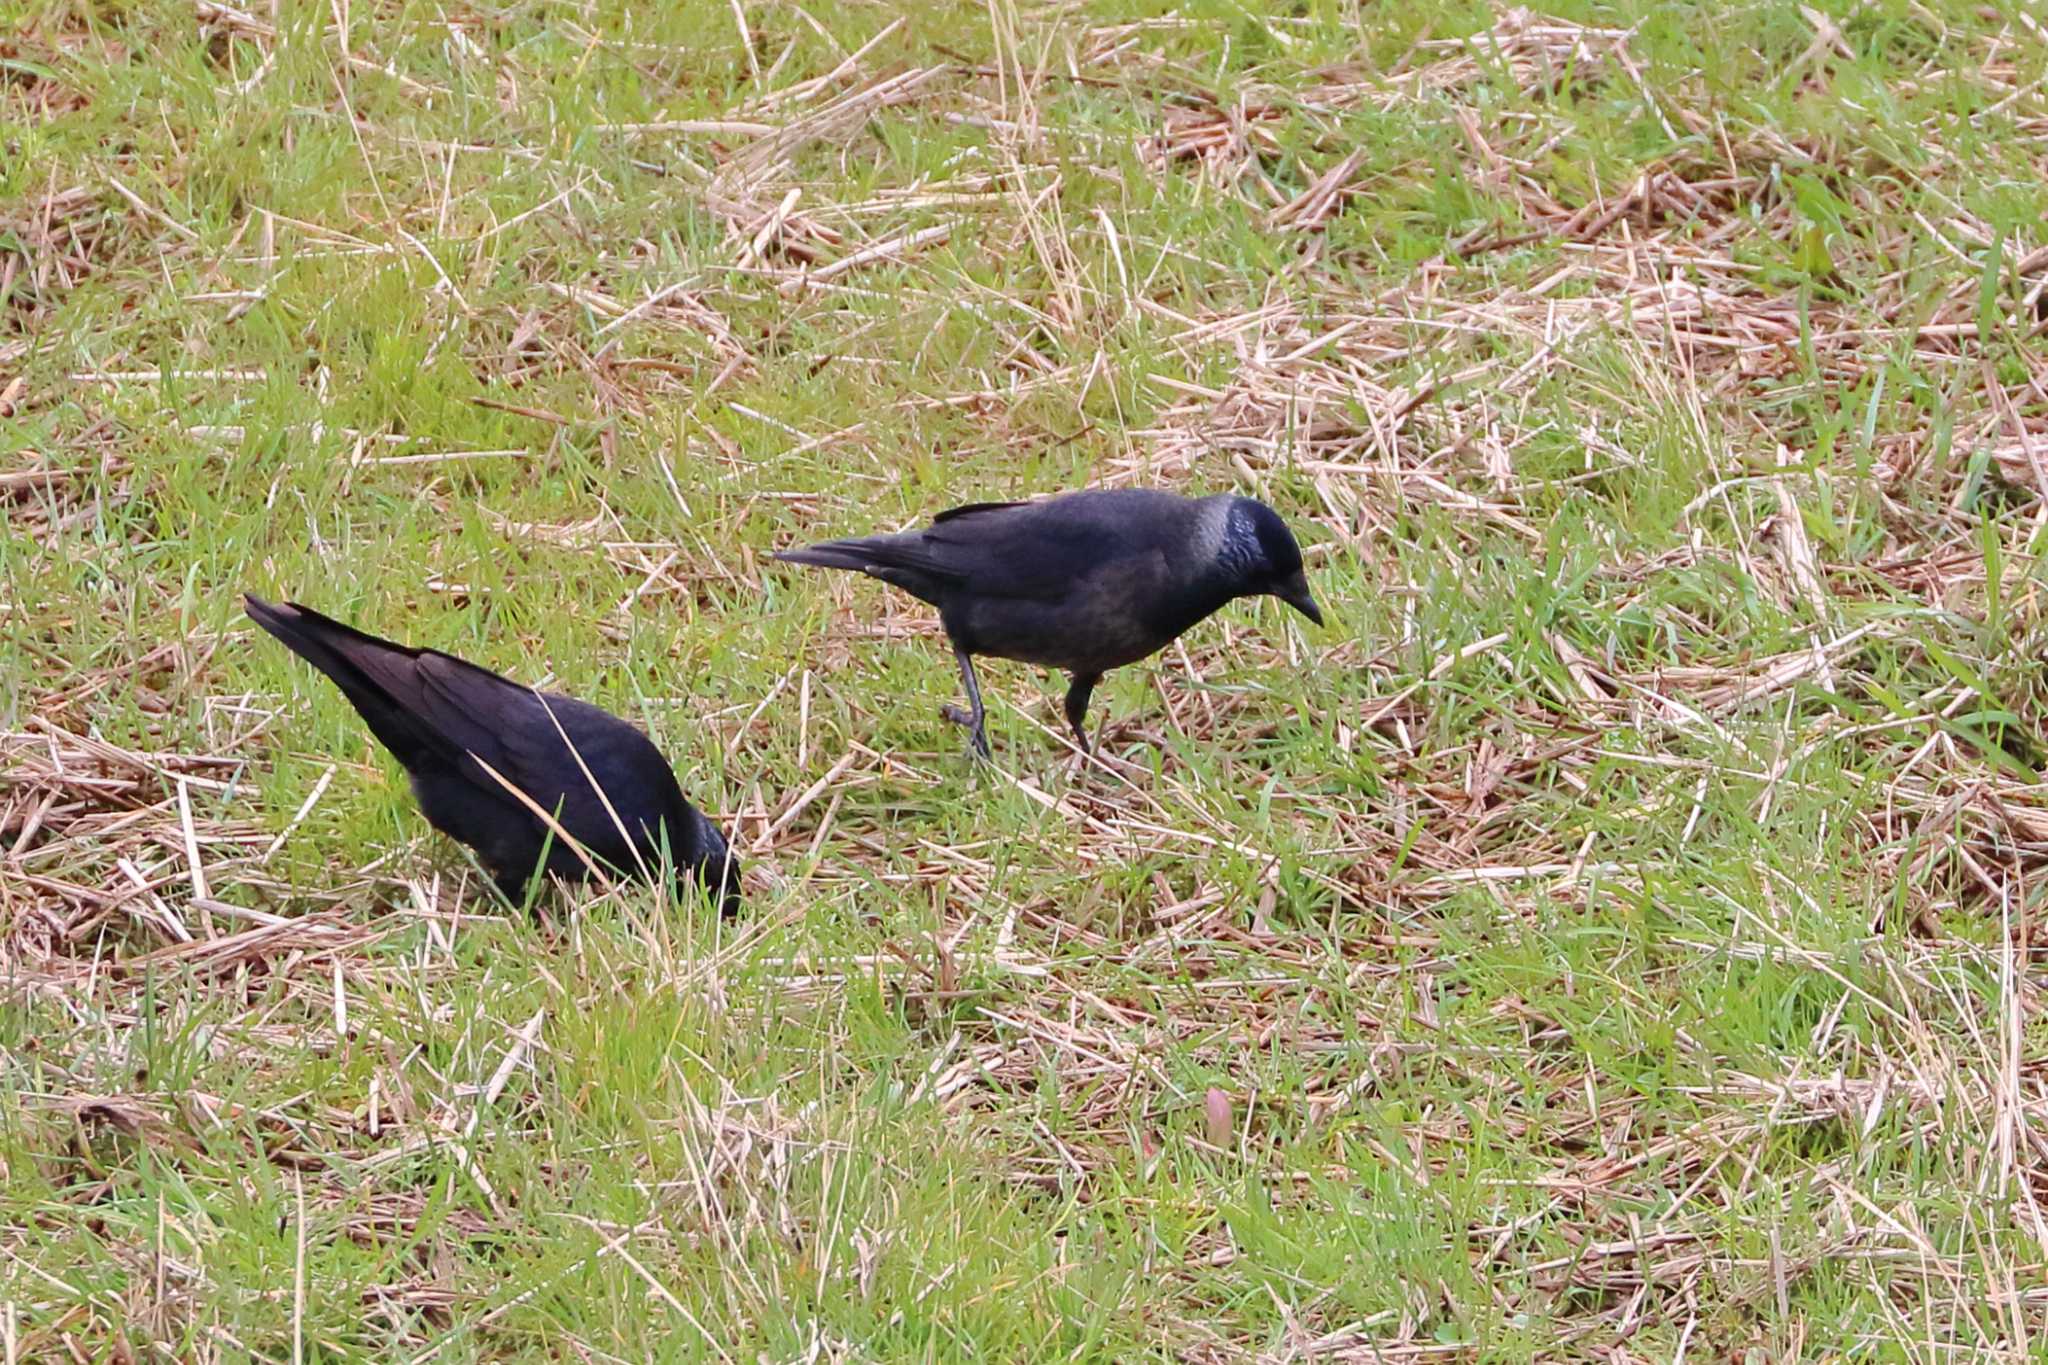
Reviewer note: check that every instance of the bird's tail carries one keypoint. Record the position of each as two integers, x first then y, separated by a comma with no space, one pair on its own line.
859,556
365,668
317,639
903,560
338,651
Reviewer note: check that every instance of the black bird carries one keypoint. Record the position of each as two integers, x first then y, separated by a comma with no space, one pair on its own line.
444,719
1084,582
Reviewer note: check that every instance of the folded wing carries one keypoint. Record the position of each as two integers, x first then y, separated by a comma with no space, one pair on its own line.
1025,551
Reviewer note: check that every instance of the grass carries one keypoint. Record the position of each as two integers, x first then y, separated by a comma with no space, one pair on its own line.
1617,933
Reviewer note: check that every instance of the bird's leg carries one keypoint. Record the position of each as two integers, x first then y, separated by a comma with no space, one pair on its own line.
512,886
1077,705
970,718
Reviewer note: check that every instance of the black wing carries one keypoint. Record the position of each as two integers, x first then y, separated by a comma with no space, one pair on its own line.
969,509
428,707
1039,551
1028,551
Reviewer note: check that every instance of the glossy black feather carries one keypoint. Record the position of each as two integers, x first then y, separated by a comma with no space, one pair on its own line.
444,718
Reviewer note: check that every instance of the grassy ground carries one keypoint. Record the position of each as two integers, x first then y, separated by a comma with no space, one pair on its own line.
1615,934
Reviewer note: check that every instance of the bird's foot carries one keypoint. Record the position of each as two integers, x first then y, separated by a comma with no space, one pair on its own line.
977,741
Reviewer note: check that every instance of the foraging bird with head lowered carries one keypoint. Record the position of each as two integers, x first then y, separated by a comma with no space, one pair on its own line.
1084,582
454,725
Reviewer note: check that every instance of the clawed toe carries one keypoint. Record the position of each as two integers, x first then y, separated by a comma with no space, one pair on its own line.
977,741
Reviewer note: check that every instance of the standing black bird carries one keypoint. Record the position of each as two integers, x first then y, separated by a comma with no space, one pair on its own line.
444,719
1084,582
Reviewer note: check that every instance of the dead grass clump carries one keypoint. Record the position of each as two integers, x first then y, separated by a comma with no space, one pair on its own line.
56,240
104,842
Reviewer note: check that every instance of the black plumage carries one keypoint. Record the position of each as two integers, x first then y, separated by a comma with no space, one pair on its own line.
1084,582
444,718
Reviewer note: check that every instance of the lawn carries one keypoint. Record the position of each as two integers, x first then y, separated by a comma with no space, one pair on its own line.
1617,933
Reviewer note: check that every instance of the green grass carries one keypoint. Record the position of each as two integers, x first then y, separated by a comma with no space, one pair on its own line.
1613,933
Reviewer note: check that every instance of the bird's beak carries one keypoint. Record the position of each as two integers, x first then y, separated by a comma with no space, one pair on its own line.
1294,592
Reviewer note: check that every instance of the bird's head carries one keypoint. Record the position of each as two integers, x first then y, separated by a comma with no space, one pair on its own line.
705,864
1259,557
716,870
